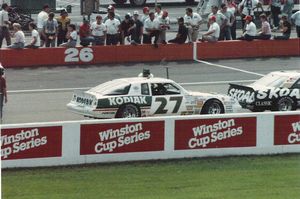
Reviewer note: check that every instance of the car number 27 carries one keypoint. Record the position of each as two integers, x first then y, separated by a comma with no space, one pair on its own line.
163,103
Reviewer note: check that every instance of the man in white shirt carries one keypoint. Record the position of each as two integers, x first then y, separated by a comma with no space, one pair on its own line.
113,29
192,21
41,18
4,23
164,25
213,33
246,8
145,16
19,37
151,29
158,11
35,37
250,30
296,20
98,31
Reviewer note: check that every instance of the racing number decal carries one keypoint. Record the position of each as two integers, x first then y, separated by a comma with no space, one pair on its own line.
163,102
74,55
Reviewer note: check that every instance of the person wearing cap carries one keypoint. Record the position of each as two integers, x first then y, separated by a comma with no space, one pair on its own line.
111,8
3,91
137,31
63,21
99,31
295,18
4,25
151,29
50,28
265,32
192,21
246,7
285,28
19,37
213,33
126,28
158,12
250,30
182,33
221,19
145,16
71,36
41,18
225,33
85,34
113,29
164,25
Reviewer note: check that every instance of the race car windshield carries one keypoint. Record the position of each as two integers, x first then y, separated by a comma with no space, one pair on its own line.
271,80
115,87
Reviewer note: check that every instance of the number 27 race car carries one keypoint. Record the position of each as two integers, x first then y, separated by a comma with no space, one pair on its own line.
147,96
277,91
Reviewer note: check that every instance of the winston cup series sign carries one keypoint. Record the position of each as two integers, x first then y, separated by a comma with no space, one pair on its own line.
121,137
35,142
287,129
215,133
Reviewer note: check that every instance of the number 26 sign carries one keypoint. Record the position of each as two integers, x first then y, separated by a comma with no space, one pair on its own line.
79,55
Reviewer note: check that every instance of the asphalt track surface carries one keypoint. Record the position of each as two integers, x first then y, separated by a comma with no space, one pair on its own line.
41,94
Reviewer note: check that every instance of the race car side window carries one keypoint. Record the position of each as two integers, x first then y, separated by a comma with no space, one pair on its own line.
145,89
164,89
297,84
171,89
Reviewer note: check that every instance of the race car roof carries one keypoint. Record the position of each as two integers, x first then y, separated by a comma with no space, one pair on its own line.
145,79
288,73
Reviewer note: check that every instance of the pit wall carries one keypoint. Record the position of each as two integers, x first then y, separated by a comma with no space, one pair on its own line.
117,140
11,58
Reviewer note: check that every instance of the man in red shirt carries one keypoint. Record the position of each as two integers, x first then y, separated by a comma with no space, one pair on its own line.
3,93
85,34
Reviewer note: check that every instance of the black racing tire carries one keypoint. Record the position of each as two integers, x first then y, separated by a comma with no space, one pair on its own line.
137,2
120,1
284,104
128,111
212,107
189,2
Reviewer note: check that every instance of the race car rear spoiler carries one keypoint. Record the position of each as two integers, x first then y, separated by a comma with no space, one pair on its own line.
244,94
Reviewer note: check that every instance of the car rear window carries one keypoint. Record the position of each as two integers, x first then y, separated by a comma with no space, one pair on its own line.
115,87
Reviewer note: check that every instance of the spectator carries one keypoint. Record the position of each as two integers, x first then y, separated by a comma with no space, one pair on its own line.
287,9
220,18
63,21
35,37
265,33
164,25
151,29
296,20
137,29
192,21
71,36
85,34
181,34
4,24
111,8
158,11
19,37
275,11
285,28
246,8
250,30
232,7
50,30
125,28
213,33
145,16
113,29
99,31
225,30
41,18
3,91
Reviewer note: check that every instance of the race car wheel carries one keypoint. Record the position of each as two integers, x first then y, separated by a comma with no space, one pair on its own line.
213,107
128,111
284,104
137,2
119,1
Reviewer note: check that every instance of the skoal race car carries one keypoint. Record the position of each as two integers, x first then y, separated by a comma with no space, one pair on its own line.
147,96
277,91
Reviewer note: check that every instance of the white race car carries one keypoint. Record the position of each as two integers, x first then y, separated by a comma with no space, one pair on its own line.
147,96
277,91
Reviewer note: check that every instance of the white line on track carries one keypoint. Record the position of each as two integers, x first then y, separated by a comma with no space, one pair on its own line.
86,88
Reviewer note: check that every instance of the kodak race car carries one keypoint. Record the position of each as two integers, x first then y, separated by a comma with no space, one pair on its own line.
147,96
277,91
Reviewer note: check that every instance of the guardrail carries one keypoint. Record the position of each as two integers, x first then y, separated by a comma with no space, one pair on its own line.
98,141
11,58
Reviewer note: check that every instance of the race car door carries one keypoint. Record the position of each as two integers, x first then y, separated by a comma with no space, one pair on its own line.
167,99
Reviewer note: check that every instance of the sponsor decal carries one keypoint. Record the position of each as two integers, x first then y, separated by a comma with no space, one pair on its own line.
121,137
215,133
287,129
242,95
39,142
114,102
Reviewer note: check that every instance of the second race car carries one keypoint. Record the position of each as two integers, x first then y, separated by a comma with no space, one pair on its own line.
147,96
